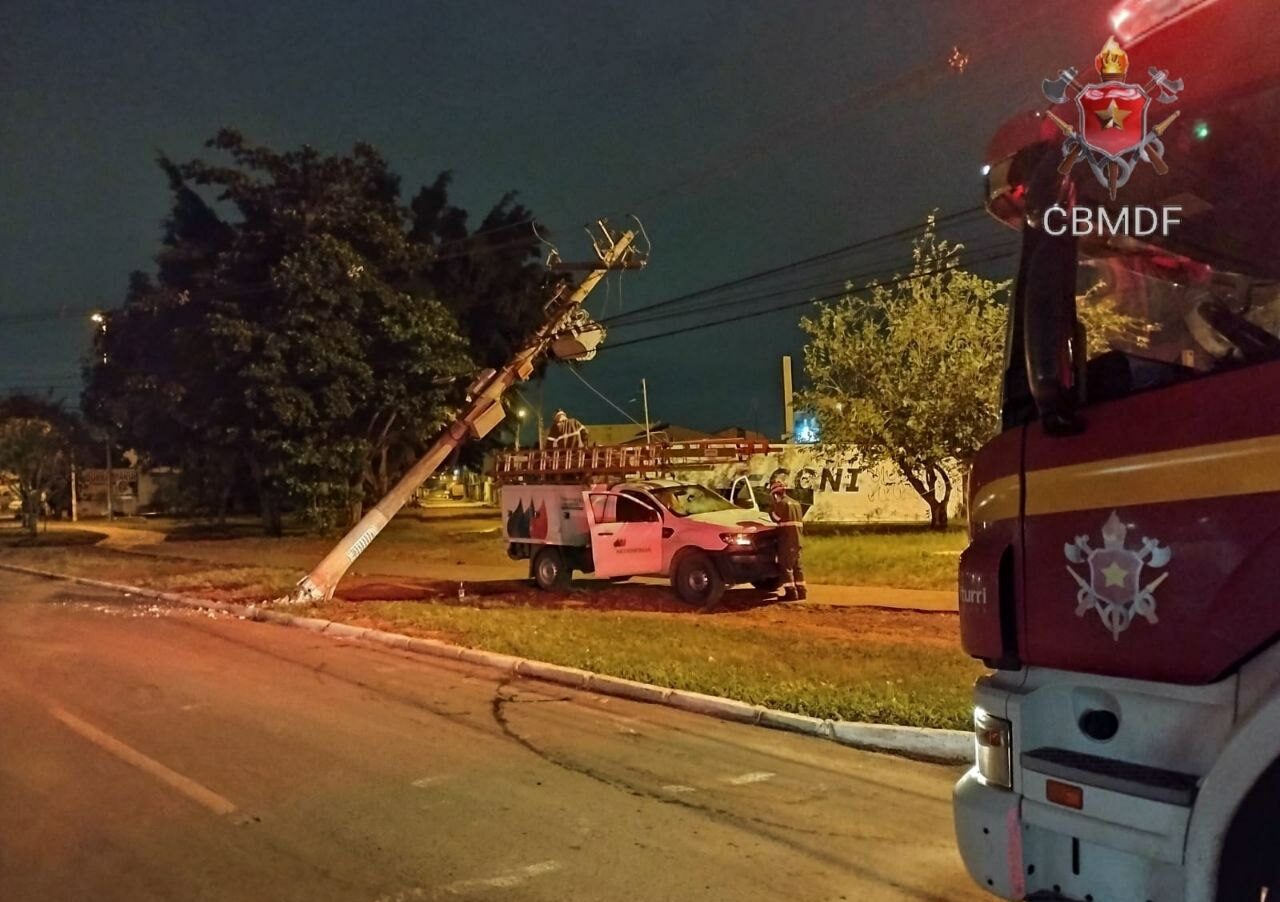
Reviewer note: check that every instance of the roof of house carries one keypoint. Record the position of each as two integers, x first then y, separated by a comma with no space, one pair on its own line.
631,434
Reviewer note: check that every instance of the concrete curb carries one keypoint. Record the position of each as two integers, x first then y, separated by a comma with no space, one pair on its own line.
944,746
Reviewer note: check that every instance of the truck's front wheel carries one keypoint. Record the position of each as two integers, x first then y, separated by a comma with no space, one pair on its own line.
550,569
696,580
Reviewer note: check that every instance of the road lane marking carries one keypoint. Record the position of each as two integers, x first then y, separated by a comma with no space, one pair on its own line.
188,787
758,776
462,887
503,881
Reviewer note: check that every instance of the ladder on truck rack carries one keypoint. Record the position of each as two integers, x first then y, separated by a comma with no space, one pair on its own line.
627,460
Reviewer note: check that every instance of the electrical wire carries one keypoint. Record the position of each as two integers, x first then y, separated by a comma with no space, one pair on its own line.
823,257
876,274
802,303
601,395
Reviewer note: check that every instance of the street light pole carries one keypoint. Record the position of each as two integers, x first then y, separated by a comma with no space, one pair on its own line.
111,515
644,390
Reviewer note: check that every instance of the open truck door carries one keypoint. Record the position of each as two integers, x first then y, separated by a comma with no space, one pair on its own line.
626,534
742,494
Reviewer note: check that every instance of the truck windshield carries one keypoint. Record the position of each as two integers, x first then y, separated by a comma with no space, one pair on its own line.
1206,297
683,500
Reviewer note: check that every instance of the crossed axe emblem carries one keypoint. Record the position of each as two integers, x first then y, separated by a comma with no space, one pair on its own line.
1113,172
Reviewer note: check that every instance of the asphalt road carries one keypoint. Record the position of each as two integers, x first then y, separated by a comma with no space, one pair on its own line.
158,754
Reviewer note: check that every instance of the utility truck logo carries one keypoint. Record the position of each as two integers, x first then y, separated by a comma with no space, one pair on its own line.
1114,588
1111,132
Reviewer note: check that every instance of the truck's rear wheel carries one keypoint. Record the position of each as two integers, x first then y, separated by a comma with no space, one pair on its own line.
696,580
550,569
1248,870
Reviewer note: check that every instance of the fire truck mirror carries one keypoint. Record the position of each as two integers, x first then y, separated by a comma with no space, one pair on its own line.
1052,351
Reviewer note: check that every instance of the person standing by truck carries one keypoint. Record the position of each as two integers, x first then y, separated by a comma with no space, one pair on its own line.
786,512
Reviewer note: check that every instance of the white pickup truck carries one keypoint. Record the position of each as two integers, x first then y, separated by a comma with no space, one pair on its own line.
683,531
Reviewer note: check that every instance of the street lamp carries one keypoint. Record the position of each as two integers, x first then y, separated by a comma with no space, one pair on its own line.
520,413
98,319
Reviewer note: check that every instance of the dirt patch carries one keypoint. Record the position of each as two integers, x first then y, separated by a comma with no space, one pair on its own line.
593,595
741,608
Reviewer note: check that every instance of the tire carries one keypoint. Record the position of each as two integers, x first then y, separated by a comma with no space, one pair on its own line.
696,580
550,570
1248,865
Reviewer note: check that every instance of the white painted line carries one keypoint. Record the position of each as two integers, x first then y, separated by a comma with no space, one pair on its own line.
503,881
758,776
189,788
677,788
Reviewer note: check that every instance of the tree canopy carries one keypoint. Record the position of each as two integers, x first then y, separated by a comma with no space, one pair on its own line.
296,326
910,373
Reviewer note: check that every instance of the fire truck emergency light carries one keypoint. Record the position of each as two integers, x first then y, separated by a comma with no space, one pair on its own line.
1134,19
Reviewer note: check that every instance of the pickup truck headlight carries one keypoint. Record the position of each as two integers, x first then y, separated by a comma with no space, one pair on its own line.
993,744
737,539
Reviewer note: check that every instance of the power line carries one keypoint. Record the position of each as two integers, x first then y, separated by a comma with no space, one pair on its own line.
796,264
599,394
803,303
875,274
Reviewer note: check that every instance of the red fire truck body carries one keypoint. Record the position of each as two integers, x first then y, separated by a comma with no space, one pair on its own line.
1123,576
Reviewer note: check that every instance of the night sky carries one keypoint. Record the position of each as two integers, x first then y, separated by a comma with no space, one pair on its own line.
745,134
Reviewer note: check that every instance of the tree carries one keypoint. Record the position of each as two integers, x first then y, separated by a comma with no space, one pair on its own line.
39,440
911,374
33,452
294,337
492,278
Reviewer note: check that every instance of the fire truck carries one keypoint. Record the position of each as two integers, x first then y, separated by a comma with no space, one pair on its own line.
1122,580
614,511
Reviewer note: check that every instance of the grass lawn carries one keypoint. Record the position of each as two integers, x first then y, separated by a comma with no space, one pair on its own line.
906,557
854,663
881,680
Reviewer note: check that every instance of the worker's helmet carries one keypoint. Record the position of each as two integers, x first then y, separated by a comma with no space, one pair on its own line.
560,415
778,488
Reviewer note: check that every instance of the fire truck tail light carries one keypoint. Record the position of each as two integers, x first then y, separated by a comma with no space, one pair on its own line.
993,745
1066,794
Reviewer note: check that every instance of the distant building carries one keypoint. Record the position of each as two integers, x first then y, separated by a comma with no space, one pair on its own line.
631,434
740,433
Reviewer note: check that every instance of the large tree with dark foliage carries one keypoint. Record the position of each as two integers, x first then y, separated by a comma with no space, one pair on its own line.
294,328
490,278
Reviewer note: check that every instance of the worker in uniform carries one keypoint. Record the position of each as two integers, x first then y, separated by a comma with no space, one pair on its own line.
786,512
566,432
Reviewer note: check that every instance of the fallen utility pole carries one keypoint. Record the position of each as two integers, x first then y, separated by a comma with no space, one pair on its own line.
484,411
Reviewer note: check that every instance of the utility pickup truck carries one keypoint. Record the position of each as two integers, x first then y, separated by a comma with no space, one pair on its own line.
598,510
683,531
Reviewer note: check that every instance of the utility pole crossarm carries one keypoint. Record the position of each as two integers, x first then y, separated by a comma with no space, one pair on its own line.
484,411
